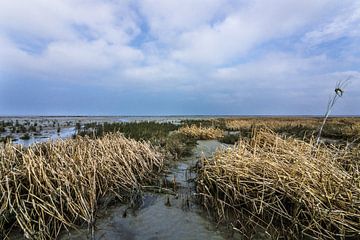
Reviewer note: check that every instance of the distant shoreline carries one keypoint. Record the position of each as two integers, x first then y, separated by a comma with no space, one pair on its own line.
172,116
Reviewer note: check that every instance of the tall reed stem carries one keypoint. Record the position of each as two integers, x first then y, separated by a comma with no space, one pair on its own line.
339,90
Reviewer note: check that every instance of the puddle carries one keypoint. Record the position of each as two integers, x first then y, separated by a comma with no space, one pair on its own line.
161,216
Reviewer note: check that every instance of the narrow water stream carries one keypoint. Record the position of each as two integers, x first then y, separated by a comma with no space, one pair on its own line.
161,216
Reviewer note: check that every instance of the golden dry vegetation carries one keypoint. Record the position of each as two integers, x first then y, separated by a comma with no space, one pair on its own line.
53,186
302,127
199,132
288,187
273,123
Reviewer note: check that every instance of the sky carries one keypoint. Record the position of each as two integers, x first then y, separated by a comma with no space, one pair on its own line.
172,57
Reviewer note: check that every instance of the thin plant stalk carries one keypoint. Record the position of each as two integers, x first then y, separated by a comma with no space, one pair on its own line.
339,90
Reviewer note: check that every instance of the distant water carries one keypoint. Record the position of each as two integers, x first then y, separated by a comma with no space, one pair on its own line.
47,136
66,132
99,119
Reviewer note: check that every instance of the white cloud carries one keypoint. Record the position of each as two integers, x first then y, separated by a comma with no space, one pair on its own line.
345,24
55,20
245,29
273,66
211,47
168,18
67,39
204,32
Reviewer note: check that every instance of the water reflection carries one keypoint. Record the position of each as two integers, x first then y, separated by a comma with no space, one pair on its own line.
49,135
162,216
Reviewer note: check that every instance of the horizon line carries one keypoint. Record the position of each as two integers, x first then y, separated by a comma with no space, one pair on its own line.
184,115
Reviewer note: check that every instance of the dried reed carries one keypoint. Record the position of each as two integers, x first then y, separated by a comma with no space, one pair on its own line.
199,132
272,123
285,186
57,185
339,91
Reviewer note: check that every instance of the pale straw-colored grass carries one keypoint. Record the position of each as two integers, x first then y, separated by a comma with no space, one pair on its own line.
272,123
287,187
199,132
49,187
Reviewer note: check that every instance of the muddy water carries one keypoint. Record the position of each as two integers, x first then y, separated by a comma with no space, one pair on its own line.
161,216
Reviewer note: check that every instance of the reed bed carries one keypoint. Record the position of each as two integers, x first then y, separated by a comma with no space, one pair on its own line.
272,123
287,187
345,129
202,133
145,130
58,185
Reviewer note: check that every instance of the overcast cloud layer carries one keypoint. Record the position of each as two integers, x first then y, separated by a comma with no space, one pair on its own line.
154,57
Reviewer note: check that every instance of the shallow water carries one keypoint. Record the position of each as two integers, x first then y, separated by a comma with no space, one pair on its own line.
49,135
161,216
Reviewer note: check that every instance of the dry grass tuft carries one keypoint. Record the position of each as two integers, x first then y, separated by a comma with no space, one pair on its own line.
52,186
199,132
285,186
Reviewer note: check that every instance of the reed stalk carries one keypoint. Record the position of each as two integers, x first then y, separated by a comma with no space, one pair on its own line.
54,186
280,186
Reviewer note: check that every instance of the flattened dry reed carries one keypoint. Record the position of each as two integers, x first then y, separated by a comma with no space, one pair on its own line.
285,186
53,186
199,132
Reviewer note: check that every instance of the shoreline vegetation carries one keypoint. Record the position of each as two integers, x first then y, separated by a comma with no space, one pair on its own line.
201,133
286,187
50,187
274,178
